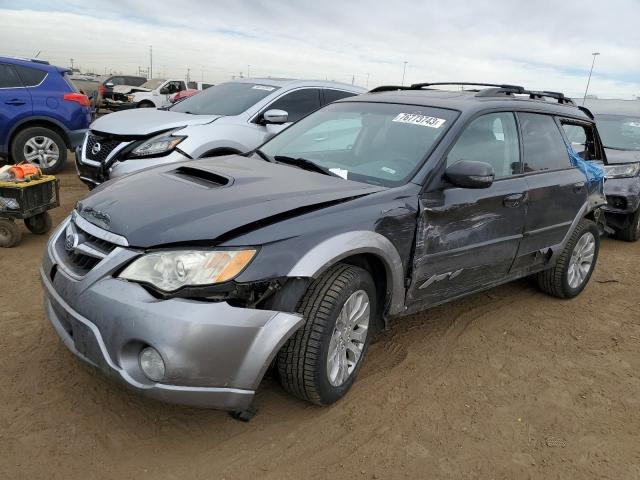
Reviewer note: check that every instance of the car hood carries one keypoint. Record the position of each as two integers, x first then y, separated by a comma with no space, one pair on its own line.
211,200
622,156
145,121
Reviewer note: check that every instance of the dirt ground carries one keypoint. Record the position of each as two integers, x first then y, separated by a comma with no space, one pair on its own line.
507,384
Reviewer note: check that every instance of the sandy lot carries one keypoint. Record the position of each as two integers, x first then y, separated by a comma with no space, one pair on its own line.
507,384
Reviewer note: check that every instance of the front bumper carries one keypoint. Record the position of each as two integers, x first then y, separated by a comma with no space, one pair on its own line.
76,137
623,195
215,354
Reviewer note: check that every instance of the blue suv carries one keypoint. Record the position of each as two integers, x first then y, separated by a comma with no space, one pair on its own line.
42,113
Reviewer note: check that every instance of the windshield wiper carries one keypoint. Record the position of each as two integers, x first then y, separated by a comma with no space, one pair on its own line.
263,155
305,164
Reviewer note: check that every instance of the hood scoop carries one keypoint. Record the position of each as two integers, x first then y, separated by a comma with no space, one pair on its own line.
203,178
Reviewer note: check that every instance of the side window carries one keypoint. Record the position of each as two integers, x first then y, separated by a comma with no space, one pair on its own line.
181,86
333,95
298,103
118,81
582,139
543,145
493,139
30,76
8,77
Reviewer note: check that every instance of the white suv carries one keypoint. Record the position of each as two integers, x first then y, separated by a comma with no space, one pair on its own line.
229,118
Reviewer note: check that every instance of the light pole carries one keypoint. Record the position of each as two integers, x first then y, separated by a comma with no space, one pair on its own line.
368,80
593,62
404,70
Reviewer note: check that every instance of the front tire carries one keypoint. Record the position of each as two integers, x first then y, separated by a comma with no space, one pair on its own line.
631,231
575,264
320,362
40,146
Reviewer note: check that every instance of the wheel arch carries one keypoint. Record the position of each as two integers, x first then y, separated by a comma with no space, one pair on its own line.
44,122
220,151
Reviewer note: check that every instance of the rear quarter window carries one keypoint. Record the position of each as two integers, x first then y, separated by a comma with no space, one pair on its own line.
31,77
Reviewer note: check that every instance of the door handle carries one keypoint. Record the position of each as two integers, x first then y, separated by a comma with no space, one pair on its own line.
514,200
15,101
577,187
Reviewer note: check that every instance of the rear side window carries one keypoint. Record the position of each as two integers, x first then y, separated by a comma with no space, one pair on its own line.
117,80
333,95
298,103
582,140
492,139
9,77
30,76
135,81
542,142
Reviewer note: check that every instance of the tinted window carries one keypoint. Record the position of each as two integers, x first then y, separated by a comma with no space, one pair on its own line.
544,148
118,80
492,139
619,132
333,95
377,143
582,140
30,76
298,103
8,77
135,81
231,98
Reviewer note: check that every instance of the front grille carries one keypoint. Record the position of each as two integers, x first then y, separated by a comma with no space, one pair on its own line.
106,146
80,250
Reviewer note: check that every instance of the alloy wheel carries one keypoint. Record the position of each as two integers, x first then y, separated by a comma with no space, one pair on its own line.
41,151
581,260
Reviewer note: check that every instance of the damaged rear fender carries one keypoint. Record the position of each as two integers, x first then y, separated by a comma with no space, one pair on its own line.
331,251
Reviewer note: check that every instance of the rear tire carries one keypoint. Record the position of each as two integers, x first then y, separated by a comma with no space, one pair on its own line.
10,234
576,263
335,305
39,224
631,232
40,146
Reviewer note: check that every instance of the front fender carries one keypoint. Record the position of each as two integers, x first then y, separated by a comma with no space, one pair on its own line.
330,251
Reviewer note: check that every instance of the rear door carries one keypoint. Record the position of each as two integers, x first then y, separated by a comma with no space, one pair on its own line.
467,239
15,101
557,190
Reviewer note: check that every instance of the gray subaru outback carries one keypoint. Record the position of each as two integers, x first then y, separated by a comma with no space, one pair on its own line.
189,281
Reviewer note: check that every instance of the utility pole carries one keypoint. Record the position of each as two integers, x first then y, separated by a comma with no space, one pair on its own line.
188,75
403,72
595,54
353,79
71,59
150,61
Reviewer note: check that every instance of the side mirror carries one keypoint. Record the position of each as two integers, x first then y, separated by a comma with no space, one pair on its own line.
275,116
108,85
470,174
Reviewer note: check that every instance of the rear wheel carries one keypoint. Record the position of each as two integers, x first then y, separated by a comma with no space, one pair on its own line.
631,232
9,233
575,264
39,224
320,361
40,146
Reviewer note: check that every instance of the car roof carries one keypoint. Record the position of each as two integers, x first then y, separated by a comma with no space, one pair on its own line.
470,101
604,106
293,83
33,63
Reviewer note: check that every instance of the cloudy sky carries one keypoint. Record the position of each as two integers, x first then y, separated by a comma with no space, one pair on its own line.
540,44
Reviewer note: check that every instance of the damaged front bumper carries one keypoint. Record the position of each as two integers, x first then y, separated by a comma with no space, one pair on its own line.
215,354
623,195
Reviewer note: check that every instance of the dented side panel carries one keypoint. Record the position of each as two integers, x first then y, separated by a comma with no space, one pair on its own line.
465,239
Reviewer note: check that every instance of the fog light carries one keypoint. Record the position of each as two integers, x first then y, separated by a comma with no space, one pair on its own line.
152,364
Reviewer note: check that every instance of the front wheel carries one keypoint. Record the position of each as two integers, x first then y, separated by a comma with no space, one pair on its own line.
319,363
575,264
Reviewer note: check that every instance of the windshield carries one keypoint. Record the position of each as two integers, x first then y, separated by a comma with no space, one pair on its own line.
231,98
620,132
153,83
377,143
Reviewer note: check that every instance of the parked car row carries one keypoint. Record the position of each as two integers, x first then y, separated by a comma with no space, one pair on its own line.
225,244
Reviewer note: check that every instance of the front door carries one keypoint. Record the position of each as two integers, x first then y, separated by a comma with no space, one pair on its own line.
467,239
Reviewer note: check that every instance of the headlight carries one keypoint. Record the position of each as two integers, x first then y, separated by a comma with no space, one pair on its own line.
161,144
622,170
171,270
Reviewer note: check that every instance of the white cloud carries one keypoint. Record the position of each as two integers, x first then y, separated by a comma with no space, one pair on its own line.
543,44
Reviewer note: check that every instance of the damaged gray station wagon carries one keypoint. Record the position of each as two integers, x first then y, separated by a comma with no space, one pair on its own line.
188,281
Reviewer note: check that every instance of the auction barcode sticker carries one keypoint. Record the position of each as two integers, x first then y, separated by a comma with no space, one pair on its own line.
263,87
417,119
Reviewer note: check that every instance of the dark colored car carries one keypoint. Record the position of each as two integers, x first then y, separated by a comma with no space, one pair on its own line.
188,280
619,126
105,89
42,113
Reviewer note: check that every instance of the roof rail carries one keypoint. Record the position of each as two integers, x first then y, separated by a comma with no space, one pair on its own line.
494,90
